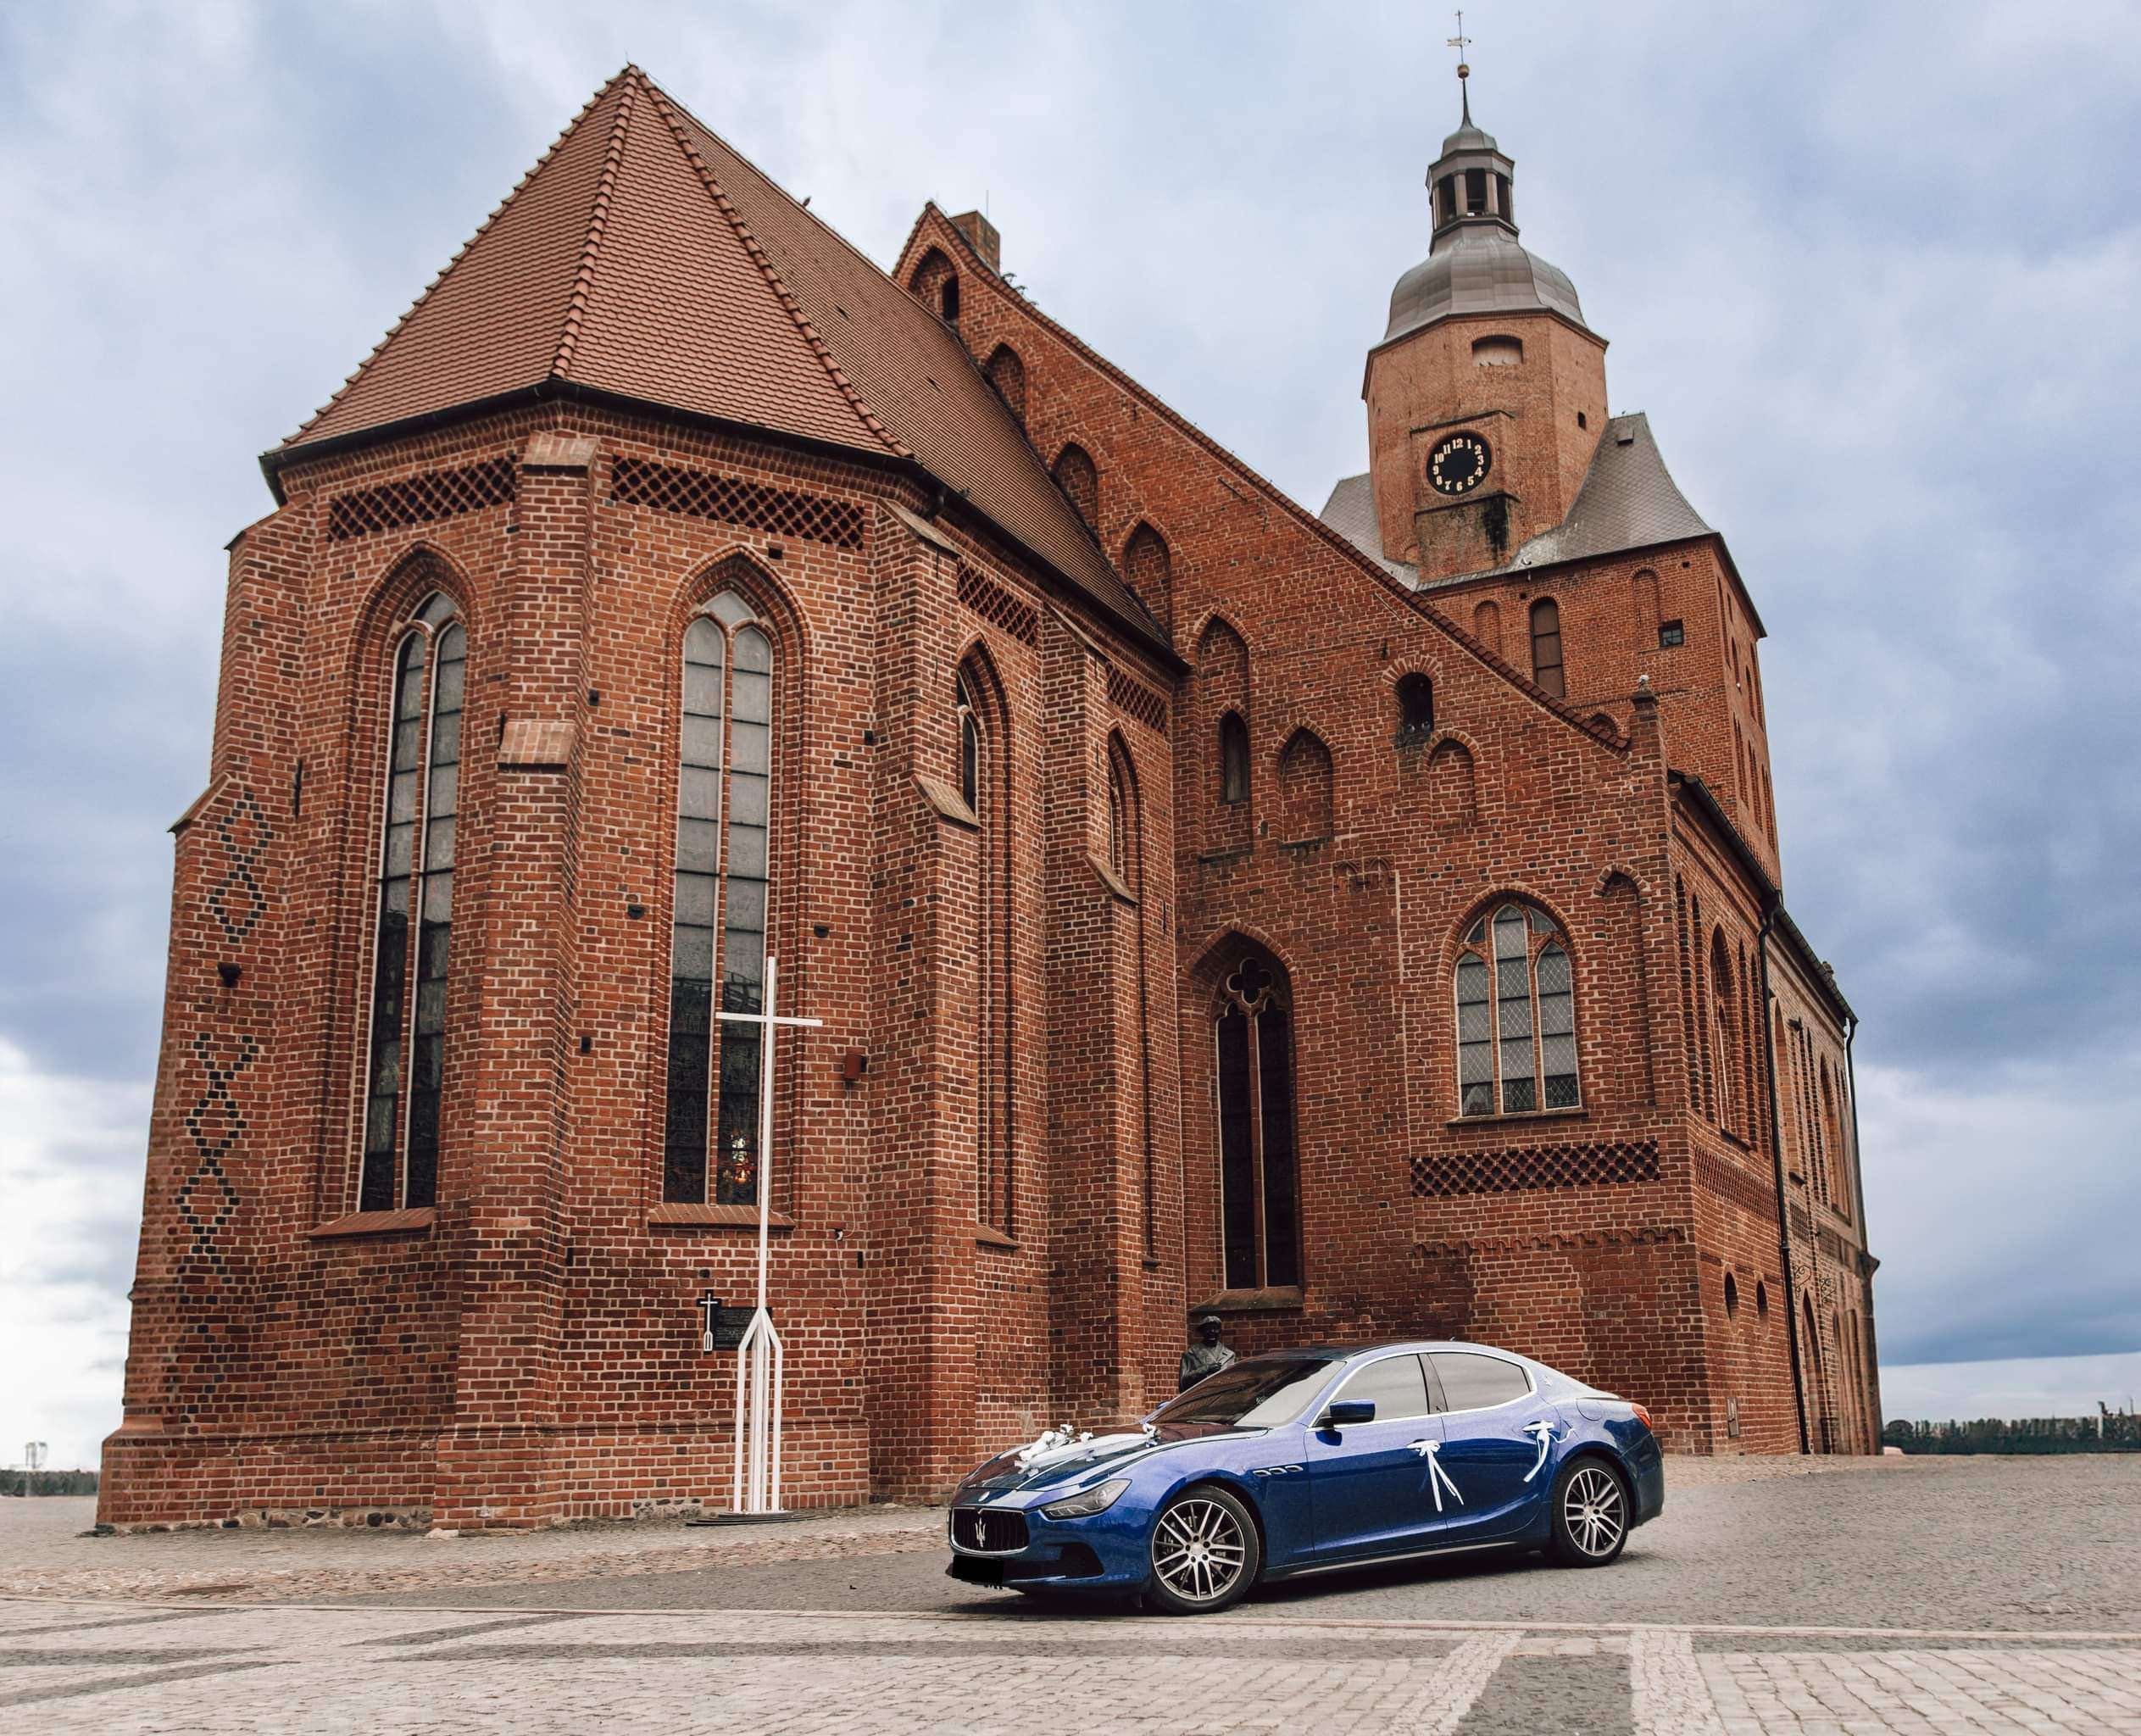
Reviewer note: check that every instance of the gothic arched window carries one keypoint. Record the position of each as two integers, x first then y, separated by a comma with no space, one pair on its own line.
405,1059
1416,708
1077,476
1721,1035
1546,648
1007,374
1233,759
722,883
1516,1015
1259,1210
970,745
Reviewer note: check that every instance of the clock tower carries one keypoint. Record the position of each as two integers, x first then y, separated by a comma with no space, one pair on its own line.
1487,395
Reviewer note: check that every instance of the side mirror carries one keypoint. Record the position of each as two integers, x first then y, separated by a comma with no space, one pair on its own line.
1346,1410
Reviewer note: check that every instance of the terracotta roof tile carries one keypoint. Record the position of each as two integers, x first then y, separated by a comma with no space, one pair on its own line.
643,256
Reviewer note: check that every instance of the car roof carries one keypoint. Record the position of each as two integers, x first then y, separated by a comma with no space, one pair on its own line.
1363,1348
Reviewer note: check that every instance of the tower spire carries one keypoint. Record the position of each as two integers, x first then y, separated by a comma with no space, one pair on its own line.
1460,41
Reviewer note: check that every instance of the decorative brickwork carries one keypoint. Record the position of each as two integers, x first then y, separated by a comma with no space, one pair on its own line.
420,499
1133,698
206,1199
242,836
702,494
993,602
1715,1177
1517,1169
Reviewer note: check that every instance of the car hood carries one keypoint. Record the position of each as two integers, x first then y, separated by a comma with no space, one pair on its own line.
1020,1468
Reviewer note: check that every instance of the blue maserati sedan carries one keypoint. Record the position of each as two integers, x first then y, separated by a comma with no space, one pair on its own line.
1305,1461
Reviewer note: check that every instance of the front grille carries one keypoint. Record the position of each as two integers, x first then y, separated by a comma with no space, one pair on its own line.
988,1532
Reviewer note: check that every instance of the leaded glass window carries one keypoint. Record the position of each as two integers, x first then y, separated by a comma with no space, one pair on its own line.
1516,994
722,883
405,1045
1260,1209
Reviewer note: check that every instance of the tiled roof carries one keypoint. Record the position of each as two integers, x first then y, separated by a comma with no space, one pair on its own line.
642,256
1628,500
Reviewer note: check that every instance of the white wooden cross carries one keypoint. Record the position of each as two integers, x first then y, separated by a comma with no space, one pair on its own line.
760,1374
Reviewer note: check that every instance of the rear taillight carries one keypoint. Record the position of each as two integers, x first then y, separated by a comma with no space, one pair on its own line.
1641,1415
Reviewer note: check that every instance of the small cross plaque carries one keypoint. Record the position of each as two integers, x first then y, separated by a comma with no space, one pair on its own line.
720,1328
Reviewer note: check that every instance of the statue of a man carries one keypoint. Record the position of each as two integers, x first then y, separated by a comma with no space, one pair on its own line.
1207,1356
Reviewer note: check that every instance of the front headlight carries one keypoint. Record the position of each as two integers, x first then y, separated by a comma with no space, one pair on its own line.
1096,1499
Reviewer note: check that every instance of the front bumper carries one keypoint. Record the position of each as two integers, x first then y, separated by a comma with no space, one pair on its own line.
1106,1552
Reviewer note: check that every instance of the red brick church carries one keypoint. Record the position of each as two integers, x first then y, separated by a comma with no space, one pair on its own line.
1353,924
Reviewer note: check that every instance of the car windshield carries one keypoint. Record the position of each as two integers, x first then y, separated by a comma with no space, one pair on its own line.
1250,1395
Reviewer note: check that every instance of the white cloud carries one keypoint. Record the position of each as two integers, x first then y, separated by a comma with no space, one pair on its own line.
70,1171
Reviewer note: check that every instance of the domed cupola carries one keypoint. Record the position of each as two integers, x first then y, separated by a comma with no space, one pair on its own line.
1474,265
1486,392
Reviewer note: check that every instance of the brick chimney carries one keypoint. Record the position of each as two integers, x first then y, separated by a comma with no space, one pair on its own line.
978,229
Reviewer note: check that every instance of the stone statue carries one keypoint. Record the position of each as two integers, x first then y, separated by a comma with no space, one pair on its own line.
1207,1357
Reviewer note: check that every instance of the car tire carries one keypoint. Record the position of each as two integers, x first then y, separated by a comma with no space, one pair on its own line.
1204,1552
1591,1514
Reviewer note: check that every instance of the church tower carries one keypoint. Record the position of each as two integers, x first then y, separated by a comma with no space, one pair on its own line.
1487,395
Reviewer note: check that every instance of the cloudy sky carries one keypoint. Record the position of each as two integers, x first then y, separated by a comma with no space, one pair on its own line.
1871,269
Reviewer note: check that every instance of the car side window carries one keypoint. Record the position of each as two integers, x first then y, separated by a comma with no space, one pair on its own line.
1471,1382
1395,1386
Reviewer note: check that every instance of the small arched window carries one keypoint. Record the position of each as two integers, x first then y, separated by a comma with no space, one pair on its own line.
1732,1297
1119,825
1076,475
1761,1300
1150,569
1260,1209
948,302
1497,352
1487,624
1007,374
719,913
1832,1138
1515,1016
1233,759
1546,648
936,284
405,1069
1416,708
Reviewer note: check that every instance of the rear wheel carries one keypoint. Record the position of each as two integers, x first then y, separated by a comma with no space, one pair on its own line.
1591,1514
1204,1552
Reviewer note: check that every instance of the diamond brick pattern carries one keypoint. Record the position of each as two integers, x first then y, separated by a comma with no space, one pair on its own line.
1521,1168
702,494
993,602
1721,1180
1133,698
243,835
420,499
206,1199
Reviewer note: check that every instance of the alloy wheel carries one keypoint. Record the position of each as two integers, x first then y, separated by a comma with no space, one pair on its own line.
1198,1550
1595,1511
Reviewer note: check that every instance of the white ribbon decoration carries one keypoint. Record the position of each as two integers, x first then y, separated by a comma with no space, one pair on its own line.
1542,1432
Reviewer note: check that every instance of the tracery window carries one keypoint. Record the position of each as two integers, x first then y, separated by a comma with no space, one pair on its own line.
1546,648
1259,1207
970,744
1516,1015
406,1043
710,1148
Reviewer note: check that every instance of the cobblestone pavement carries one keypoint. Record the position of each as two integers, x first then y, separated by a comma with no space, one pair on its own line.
119,1668
1955,1596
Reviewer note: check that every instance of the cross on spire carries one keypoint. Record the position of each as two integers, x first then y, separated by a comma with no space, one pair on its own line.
1460,41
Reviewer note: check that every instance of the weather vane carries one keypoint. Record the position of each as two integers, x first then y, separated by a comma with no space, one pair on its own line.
1460,41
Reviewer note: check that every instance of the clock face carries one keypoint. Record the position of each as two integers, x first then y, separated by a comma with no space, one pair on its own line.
1459,465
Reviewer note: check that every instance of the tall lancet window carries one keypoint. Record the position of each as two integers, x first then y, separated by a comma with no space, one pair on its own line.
405,1062
1259,1203
982,747
1515,1016
710,1144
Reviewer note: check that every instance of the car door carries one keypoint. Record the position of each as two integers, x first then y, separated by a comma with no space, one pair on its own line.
1371,1483
1491,1416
